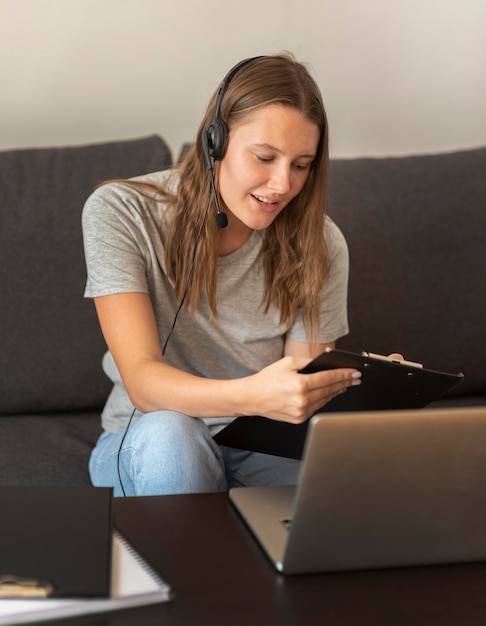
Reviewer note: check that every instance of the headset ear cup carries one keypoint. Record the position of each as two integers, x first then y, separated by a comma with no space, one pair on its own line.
217,138
217,132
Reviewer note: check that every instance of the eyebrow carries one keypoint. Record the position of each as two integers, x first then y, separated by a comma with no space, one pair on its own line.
268,146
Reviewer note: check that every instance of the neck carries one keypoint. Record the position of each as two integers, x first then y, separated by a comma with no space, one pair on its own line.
232,238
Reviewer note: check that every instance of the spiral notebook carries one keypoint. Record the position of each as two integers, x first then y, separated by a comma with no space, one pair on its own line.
60,556
133,583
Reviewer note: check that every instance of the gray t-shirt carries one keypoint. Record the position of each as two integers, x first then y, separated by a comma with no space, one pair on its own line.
124,253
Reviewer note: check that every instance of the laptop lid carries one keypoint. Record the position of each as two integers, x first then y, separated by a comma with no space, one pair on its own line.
381,489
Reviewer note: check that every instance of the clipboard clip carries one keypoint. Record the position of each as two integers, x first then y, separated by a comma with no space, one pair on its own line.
15,587
381,357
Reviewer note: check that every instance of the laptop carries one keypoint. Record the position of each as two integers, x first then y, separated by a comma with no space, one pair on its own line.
378,489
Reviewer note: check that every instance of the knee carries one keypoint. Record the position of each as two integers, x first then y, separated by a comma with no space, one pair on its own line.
165,429
170,452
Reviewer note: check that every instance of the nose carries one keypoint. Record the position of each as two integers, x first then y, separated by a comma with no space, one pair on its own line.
279,180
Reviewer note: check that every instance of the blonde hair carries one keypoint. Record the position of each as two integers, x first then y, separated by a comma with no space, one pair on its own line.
295,255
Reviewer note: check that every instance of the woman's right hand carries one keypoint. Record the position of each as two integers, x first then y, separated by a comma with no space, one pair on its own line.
278,391
281,393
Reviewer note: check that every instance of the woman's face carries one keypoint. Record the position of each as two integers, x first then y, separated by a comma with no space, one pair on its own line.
266,164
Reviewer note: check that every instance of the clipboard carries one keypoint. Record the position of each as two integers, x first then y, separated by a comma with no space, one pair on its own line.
386,384
55,542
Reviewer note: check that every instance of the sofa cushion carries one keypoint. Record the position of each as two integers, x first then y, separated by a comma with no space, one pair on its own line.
416,230
51,346
51,449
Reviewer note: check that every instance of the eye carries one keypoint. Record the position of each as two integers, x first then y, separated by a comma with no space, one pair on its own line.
301,167
264,159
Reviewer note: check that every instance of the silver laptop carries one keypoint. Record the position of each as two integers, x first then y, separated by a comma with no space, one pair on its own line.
378,489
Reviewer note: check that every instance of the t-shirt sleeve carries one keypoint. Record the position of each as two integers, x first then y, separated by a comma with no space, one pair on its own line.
334,297
113,242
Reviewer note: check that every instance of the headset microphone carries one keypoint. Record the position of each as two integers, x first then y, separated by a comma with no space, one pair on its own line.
221,219
215,138
214,141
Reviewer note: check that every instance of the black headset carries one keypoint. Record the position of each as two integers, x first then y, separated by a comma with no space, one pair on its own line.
215,137
214,140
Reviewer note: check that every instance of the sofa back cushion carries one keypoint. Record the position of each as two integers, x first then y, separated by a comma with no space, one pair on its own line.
51,345
416,231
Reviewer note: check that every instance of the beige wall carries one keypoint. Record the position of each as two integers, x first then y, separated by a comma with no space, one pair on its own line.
398,76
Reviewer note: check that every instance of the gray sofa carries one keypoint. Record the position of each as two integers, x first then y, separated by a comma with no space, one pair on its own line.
416,230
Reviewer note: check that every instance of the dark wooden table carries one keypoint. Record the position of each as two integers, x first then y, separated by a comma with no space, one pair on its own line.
220,576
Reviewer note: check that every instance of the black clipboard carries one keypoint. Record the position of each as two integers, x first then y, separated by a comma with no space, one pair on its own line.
386,384
55,541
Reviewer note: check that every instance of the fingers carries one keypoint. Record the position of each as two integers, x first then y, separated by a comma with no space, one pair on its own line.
283,394
335,382
342,377
317,389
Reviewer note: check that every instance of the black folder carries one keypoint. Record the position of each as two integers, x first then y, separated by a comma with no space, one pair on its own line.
55,541
387,384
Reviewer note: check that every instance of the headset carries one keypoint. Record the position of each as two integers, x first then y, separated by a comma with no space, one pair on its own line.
214,141
215,137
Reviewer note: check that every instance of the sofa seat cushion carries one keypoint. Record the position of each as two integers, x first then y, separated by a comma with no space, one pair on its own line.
51,449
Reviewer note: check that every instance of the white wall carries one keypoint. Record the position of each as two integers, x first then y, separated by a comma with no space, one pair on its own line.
398,76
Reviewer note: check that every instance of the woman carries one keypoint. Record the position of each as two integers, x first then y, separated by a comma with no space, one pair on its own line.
214,283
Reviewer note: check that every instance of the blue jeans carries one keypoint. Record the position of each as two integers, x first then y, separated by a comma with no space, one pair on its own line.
167,452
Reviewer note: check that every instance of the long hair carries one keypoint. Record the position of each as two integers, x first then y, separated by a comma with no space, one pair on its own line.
295,255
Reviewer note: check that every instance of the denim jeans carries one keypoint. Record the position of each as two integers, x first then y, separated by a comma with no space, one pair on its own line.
167,452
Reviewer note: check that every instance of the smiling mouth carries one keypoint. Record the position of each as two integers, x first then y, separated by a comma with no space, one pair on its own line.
264,200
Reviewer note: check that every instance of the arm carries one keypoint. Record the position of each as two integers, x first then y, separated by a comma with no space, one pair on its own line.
301,349
128,324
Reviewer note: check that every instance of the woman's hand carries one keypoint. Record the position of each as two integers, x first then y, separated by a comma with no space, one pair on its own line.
278,391
281,393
